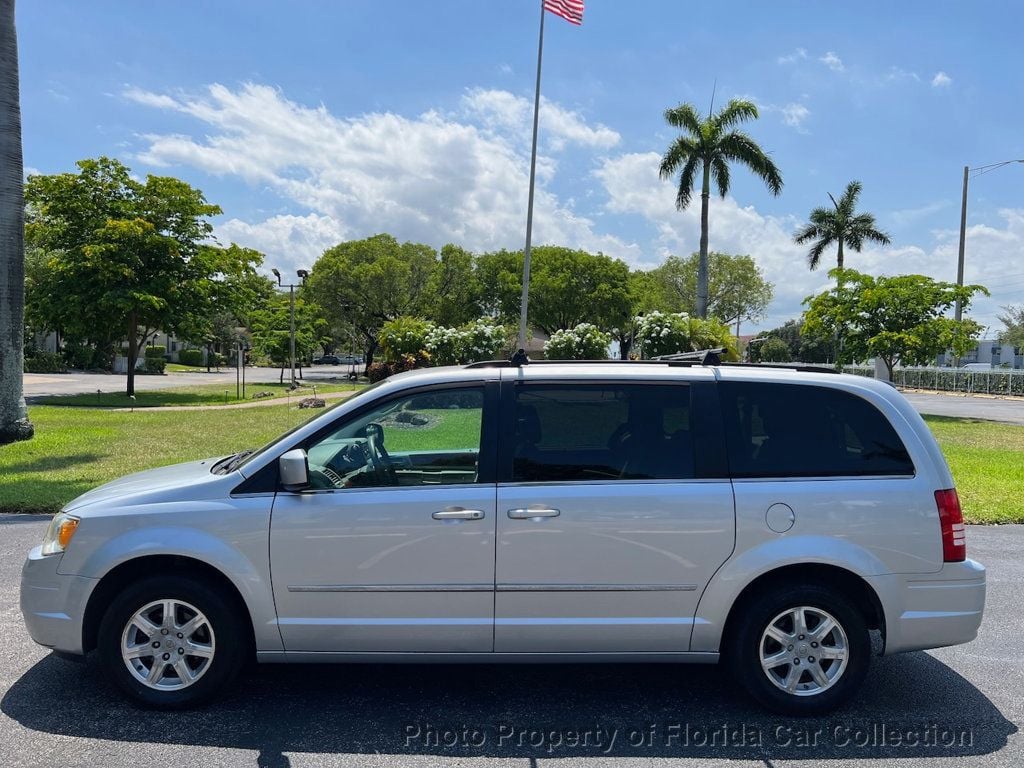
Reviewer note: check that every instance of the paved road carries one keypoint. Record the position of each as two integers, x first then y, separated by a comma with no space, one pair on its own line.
969,406
41,384
54,712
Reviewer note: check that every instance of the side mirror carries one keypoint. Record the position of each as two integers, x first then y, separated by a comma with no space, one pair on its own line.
293,467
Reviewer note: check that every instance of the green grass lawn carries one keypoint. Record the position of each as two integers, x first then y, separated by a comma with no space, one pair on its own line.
76,449
198,394
987,461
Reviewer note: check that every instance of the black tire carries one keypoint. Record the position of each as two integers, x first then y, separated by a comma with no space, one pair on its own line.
231,643
744,650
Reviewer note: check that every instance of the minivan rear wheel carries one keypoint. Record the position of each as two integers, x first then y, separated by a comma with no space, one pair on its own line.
171,642
800,650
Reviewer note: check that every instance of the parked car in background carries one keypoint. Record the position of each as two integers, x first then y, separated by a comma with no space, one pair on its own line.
769,519
350,360
327,360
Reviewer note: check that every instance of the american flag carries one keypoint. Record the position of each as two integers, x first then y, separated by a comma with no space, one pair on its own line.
570,10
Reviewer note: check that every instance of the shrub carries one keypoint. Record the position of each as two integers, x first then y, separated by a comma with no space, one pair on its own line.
660,333
478,340
79,356
191,357
216,358
155,351
403,336
774,351
584,342
45,362
379,371
155,365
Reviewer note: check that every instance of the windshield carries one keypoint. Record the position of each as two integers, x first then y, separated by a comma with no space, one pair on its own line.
241,459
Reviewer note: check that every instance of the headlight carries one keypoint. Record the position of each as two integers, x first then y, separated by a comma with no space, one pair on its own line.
58,535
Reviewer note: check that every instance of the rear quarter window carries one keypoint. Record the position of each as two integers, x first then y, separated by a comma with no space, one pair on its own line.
799,430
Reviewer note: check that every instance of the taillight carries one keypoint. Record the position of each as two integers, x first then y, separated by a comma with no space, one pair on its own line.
951,519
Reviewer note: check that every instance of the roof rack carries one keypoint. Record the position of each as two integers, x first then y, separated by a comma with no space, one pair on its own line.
704,357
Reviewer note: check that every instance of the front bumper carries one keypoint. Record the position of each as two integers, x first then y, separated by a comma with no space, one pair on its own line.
53,604
932,610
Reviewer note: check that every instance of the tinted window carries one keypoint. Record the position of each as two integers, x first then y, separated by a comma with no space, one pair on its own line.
786,430
602,432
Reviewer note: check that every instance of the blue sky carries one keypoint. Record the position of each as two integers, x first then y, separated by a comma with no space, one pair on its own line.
312,122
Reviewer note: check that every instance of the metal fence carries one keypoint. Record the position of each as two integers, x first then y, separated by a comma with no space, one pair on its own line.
994,382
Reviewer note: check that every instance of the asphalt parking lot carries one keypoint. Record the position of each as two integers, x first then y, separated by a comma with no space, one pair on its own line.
960,704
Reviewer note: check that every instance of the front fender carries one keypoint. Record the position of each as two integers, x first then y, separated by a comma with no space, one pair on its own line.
234,541
734,576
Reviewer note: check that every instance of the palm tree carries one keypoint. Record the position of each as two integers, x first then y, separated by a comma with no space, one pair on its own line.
707,146
14,423
840,226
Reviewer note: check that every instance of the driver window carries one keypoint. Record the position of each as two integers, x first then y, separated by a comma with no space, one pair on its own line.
429,438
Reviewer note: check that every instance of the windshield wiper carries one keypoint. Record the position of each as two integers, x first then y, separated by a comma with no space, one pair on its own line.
229,464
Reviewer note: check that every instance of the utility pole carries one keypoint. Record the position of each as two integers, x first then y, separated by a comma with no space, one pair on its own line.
958,312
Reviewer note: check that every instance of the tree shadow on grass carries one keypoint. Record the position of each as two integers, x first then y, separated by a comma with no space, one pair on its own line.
527,712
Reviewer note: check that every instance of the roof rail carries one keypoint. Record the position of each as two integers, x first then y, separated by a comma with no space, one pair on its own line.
671,363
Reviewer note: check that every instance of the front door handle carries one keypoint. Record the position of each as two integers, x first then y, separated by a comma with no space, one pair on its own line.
458,513
532,512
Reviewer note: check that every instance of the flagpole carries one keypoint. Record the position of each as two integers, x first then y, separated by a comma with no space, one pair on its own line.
533,177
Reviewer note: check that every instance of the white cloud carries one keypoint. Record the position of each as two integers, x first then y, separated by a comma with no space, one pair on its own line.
898,74
794,114
432,178
798,55
832,61
941,80
907,216
559,126
992,252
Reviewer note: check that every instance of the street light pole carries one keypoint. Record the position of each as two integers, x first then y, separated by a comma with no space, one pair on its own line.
303,274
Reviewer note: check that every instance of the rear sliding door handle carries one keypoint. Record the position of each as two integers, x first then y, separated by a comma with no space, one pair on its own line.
532,512
458,513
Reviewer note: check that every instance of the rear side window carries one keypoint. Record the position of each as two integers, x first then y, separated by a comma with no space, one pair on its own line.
788,430
566,433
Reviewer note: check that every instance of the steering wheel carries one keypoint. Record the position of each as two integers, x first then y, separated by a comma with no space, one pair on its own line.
382,465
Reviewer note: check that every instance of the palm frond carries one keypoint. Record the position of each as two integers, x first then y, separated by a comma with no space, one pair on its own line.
685,117
741,148
679,151
814,255
735,112
861,228
686,179
807,233
848,202
720,173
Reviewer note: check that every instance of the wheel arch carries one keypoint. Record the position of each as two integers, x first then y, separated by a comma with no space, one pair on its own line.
137,568
841,579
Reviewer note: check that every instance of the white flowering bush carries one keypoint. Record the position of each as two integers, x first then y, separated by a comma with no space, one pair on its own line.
584,342
404,336
663,333
482,340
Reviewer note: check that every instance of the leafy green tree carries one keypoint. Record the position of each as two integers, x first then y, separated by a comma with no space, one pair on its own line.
646,294
362,284
1013,326
707,146
126,257
454,288
803,347
737,290
839,226
271,330
14,423
900,320
567,287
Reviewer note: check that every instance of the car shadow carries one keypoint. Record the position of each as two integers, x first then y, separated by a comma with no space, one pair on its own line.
911,706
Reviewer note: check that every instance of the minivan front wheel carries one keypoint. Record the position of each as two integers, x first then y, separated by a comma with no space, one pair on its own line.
801,650
171,642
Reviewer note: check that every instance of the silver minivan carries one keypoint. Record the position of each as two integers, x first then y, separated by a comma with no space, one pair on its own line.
769,518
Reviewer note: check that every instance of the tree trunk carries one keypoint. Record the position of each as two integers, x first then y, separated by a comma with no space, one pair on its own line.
133,351
702,264
14,423
839,256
